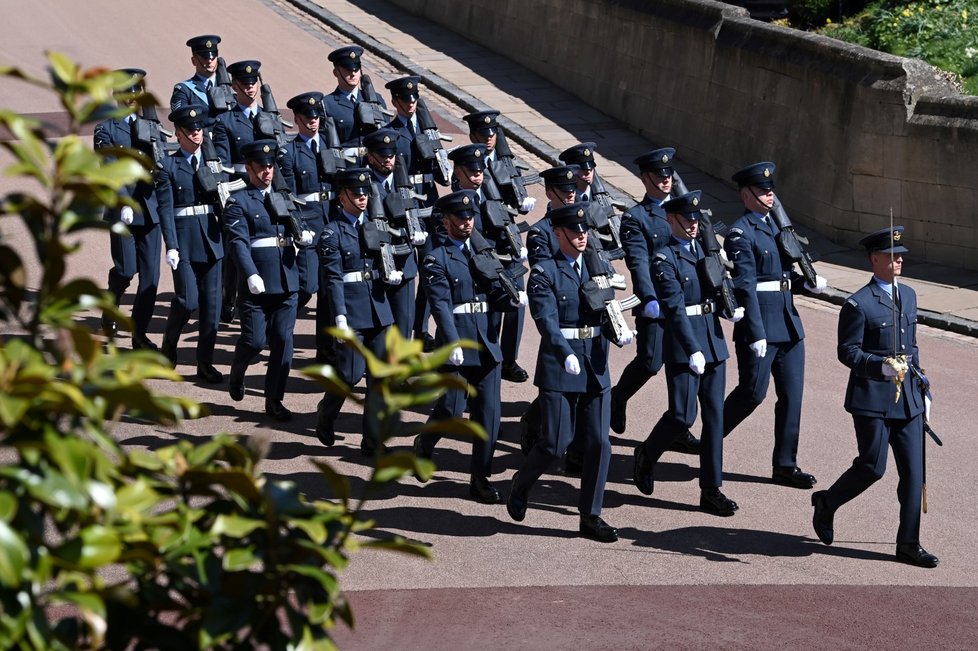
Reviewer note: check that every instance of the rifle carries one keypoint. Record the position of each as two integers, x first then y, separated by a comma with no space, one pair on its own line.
378,236
508,174
401,203
331,156
225,188
500,217
429,144
714,269
270,123
599,294
791,244
370,109
282,209
601,216
149,135
221,93
489,267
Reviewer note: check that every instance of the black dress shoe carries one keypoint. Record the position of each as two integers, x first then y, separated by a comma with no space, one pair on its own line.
236,385
428,341
822,518
110,327
369,448
685,443
715,502
277,410
642,471
482,491
421,450
169,350
914,554
595,528
793,477
324,428
209,374
516,504
513,372
618,413
142,342
573,463
227,313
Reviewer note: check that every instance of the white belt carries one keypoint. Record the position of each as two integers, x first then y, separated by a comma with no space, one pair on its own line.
774,286
700,309
265,242
357,276
315,196
470,308
587,332
418,179
193,210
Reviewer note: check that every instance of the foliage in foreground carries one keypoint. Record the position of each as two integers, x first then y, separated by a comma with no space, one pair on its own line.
187,546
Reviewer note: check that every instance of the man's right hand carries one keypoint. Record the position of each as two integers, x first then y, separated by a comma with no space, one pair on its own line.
255,284
759,347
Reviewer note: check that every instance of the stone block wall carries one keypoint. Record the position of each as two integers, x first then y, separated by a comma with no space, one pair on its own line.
854,132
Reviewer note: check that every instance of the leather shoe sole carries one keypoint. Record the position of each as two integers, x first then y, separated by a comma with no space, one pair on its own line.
793,478
642,471
324,429
685,443
822,518
278,411
914,554
717,503
593,527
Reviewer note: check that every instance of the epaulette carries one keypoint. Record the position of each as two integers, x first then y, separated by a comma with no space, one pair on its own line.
734,233
851,301
327,233
429,259
659,256
231,200
537,268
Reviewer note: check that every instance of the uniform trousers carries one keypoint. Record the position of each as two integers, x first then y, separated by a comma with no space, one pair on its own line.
137,254
351,367
197,286
266,320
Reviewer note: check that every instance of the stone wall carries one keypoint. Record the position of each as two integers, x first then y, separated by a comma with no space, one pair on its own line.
854,132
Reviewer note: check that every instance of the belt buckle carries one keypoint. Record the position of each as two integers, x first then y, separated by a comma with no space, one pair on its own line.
584,332
707,308
367,275
477,307
785,285
280,241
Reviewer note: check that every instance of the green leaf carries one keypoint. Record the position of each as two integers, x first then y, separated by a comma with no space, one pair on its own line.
455,427
8,506
239,559
14,556
399,544
339,483
235,526
95,546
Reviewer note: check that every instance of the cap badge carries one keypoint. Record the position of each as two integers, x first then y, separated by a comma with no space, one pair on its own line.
665,158
465,201
387,140
587,152
362,177
193,113
312,100
695,201
580,212
487,119
353,54
767,172
477,153
266,149
208,43
248,69
570,175
897,235
409,85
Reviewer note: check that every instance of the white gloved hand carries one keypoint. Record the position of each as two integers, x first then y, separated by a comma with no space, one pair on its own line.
626,338
759,347
894,367
418,238
737,315
173,258
523,300
820,285
456,357
125,215
340,322
697,363
397,277
522,254
571,365
528,204
307,237
617,281
255,284
651,310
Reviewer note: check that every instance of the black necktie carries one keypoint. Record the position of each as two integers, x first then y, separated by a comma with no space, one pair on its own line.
193,163
314,146
577,268
410,128
208,85
387,186
585,198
